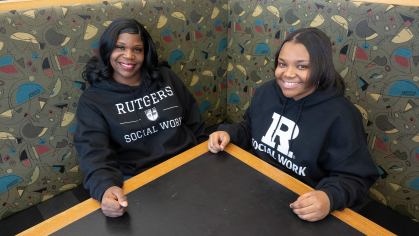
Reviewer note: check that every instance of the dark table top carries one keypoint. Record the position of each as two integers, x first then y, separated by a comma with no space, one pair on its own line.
201,193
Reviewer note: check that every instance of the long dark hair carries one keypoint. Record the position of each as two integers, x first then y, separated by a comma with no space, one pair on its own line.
100,68
323,73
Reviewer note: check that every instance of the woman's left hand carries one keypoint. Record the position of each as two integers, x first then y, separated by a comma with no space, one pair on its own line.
312,206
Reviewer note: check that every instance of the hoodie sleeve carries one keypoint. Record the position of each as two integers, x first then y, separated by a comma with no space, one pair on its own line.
240,133
349,181
192,116
349,162
97,161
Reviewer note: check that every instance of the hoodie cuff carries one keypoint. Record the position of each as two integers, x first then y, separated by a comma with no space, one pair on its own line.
202,138
333,199
98,191
225,128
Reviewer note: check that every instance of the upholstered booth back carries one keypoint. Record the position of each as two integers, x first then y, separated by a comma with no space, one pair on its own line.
376,50
43,52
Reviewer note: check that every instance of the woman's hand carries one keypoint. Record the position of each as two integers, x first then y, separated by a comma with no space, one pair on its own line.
218,141
114,202
312,206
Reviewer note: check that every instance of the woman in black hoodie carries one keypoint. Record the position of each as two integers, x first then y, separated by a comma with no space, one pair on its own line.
135,115
302,124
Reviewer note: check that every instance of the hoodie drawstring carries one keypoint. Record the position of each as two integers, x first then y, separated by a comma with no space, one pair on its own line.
136,115
296,121
282,112
147,87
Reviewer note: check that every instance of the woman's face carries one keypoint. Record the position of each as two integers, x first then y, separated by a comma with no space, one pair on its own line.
127,59
293,71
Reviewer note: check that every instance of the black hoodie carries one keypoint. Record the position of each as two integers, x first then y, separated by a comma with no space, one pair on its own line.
123,130
318,139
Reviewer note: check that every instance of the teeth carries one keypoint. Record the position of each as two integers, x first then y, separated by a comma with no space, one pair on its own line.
127,65
287,83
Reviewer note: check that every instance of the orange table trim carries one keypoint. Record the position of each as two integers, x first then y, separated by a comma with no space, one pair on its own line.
73,214
390,2
348,216
28,4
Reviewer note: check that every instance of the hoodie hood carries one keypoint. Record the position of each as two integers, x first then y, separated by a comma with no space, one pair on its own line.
111,85
316,97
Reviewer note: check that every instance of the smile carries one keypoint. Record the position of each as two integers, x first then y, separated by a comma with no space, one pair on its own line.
127,66
288,83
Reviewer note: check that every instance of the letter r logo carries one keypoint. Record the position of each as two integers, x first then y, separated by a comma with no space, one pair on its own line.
281,128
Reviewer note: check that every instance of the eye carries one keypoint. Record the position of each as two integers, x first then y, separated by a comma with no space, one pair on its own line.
302,66
138,50
281,64
120,47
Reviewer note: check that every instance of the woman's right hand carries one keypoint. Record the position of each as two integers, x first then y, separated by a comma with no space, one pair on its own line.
114,202
218,141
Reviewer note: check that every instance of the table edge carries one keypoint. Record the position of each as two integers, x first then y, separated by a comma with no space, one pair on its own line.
75,213
82,209
348,216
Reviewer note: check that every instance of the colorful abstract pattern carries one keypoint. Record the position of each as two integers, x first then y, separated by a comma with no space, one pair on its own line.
42,55
376,50
223,51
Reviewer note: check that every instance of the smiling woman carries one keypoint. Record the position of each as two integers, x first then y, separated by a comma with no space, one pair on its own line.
302,124
125,124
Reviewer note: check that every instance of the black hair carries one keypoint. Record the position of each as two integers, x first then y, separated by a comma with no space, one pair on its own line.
322,71
99,67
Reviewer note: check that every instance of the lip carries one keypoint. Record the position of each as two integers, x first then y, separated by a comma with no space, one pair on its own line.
127,66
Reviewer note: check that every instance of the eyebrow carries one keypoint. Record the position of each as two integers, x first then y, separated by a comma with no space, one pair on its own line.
138,45
302,60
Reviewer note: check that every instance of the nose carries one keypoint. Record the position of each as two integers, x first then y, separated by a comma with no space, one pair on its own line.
129,54
289,72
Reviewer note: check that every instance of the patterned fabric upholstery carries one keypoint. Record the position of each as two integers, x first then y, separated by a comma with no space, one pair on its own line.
376,50
223,50
42,55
